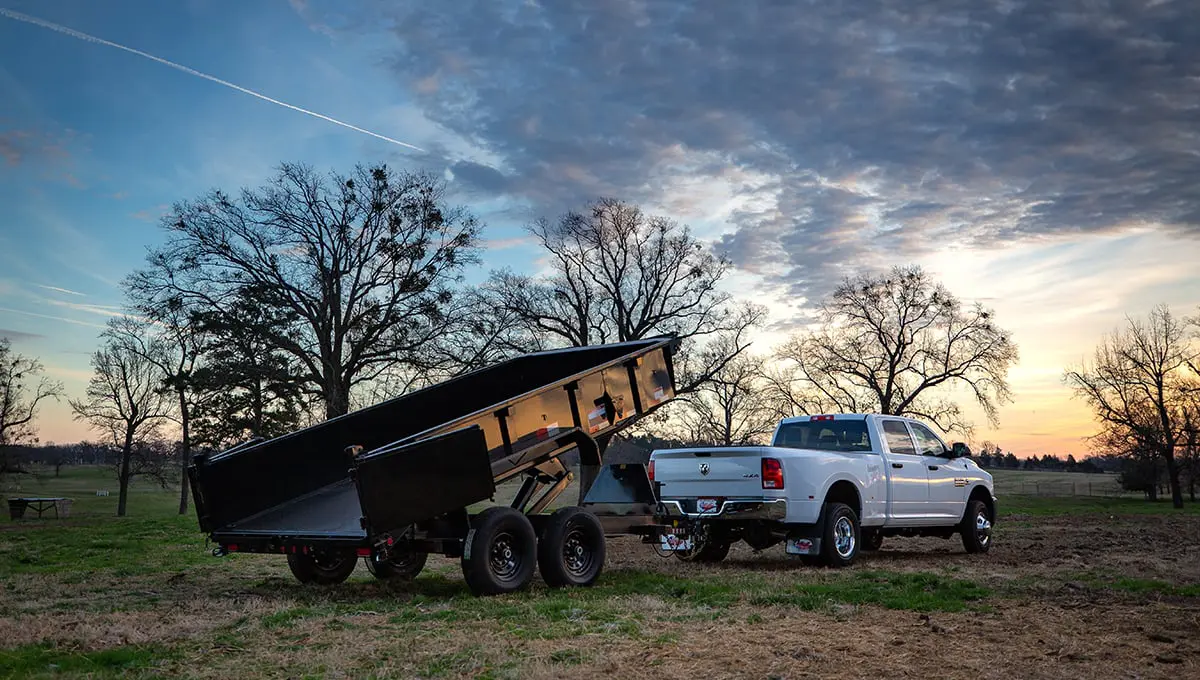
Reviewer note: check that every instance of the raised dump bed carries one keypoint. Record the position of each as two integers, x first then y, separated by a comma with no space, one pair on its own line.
392,482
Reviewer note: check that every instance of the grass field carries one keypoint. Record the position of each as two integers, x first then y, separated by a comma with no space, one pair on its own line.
1037,483
1074,587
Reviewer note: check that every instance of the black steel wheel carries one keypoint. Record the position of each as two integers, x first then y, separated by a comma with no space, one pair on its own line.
571,549
872,540
402,565
500,553
325,567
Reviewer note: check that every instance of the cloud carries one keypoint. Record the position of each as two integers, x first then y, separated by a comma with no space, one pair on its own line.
101,310
151,214
25,146
507,243
867,133
63,319
19,335
60,290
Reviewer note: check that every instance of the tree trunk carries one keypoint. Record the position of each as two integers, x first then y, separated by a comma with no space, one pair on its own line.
1152,492
1173,481
185,452
123,477
337,398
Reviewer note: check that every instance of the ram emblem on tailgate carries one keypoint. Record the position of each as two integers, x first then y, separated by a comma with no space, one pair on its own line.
704,468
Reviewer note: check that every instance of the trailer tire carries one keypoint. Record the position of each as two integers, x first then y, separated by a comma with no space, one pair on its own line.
500,552
325,568
401,565
842,538
571,548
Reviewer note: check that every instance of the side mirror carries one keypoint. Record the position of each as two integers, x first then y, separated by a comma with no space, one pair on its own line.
960,450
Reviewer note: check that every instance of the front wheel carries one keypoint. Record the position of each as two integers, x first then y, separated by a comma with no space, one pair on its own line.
976,527
840,540
571,548
325,568
500,552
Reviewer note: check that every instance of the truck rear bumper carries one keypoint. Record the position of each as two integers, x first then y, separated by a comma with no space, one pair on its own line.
773,509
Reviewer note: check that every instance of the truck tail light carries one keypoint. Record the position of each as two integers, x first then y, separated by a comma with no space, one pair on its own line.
650,470
772,473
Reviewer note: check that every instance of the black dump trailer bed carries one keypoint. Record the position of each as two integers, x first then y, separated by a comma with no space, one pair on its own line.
392,483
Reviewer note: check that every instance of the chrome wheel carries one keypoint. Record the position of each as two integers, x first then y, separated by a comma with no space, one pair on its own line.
843,537
983,528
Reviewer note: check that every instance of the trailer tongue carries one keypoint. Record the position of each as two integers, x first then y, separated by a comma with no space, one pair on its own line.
392,483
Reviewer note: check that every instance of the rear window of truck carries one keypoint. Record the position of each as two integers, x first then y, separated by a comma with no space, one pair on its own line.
828,435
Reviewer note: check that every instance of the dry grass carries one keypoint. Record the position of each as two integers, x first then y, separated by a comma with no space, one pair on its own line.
1079,595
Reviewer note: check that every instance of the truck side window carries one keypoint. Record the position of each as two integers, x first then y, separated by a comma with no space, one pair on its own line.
927,441
897,437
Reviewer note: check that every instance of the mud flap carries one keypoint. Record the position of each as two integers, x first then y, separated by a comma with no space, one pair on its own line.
800,545
805,539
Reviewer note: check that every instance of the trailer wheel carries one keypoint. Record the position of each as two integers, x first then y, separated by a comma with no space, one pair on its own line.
500,552
402,565
325,568
571,548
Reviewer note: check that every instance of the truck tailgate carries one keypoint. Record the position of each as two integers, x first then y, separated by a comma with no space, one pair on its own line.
709,473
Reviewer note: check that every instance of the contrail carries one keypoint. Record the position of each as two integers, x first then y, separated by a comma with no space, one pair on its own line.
93,39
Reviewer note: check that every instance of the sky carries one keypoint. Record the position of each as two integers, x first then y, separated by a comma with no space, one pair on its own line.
1040,158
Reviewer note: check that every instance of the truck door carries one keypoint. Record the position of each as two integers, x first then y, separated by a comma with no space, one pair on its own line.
907,474
947,477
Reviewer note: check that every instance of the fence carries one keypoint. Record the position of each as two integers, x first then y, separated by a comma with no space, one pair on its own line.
1101,487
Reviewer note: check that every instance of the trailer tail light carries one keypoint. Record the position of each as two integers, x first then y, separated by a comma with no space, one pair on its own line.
232,547
364,552
772,473
817,418
650,470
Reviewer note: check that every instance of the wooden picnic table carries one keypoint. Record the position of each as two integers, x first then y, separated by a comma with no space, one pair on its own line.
37,504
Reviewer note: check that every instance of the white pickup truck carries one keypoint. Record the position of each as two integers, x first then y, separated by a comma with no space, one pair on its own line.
828,486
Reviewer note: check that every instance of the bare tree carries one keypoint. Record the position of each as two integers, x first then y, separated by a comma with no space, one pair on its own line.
890,344
732,408
362,265
125,402
167,336
617,274
23,387
1139,386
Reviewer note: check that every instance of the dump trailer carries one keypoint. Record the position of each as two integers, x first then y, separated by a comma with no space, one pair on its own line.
393,482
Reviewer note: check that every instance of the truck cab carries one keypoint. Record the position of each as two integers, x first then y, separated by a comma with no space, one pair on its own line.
886,475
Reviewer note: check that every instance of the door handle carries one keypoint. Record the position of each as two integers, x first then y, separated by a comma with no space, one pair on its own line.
897,465
932,467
